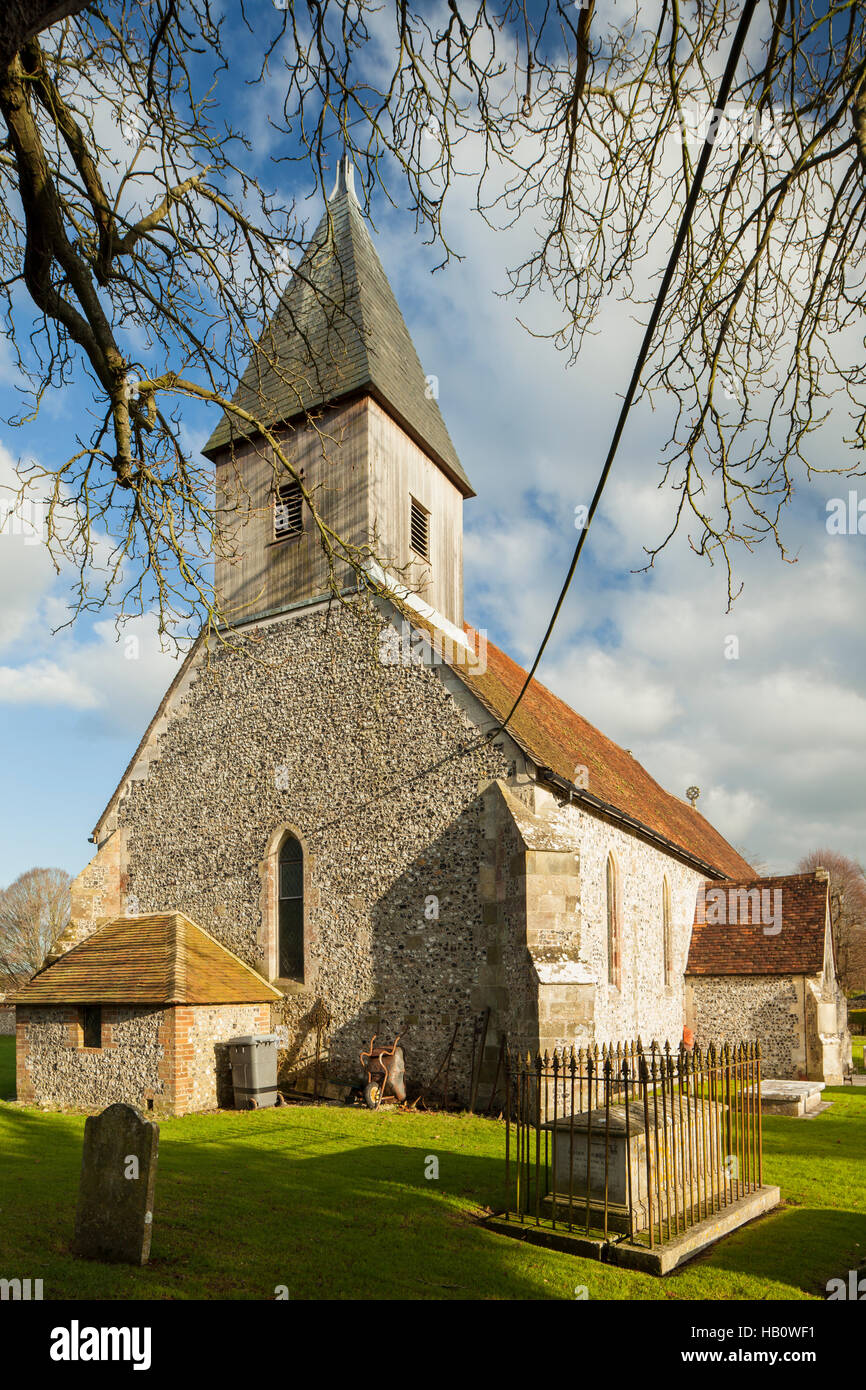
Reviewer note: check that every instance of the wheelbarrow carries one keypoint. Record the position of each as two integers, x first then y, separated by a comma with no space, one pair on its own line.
385,1067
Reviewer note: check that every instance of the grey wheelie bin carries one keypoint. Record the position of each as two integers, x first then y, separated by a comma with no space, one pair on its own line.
254,1070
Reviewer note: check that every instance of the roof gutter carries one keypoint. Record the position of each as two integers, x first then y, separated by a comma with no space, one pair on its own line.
575,793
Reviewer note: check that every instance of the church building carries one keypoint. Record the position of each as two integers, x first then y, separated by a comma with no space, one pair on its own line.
327,814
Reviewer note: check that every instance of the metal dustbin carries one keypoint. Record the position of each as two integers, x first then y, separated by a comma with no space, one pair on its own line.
254,1070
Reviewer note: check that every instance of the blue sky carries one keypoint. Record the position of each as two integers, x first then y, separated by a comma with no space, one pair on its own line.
774,738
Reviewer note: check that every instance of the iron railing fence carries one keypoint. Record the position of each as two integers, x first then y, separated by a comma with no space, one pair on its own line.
632,1142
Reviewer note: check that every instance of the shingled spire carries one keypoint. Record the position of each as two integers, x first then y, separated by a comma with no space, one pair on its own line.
339,333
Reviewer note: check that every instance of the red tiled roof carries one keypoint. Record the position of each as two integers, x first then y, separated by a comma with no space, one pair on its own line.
735,939
156,958
555,736
558,738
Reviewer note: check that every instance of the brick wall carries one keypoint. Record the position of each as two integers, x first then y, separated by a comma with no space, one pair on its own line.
201,1034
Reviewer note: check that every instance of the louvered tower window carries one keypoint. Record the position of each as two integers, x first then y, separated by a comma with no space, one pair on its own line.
419,530
288,511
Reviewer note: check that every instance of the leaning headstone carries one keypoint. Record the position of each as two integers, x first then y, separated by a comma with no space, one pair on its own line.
114,1220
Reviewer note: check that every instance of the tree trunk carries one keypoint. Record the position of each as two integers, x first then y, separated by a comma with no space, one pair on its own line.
21,20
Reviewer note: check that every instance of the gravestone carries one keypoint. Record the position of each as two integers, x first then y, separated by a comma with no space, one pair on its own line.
114,1219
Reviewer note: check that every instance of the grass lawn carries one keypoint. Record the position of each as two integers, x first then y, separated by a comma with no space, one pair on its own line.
334,1203
7,1068
857,1052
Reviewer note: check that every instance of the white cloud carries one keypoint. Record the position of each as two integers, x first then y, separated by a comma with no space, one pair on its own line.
26,571
43,682
120,678
774,738
625,690
116,676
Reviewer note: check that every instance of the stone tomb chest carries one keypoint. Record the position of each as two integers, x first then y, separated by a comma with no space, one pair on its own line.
791,1097
672,1166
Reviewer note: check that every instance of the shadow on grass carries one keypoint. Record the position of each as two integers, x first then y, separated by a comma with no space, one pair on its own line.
819,1231
337,1204
800,1248
261,1205
7,1067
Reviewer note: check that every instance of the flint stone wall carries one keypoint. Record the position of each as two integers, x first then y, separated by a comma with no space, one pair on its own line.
54,1071
560,879
768,1007
643,1003
171,1060
388,810
415,915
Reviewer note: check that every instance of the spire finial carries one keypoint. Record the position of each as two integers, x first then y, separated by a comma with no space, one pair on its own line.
345,181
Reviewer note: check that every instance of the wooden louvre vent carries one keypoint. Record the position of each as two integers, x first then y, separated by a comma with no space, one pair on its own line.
288,511
419,530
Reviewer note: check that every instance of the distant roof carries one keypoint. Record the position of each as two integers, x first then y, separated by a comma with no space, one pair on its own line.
338,332
157,958
559,739
741,944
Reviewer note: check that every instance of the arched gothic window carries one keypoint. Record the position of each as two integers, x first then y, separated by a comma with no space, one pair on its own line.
290,942
667,941
614,972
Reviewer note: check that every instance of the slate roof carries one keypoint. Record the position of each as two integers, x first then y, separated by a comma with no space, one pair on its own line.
157,958
738,947
339,332
559,739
